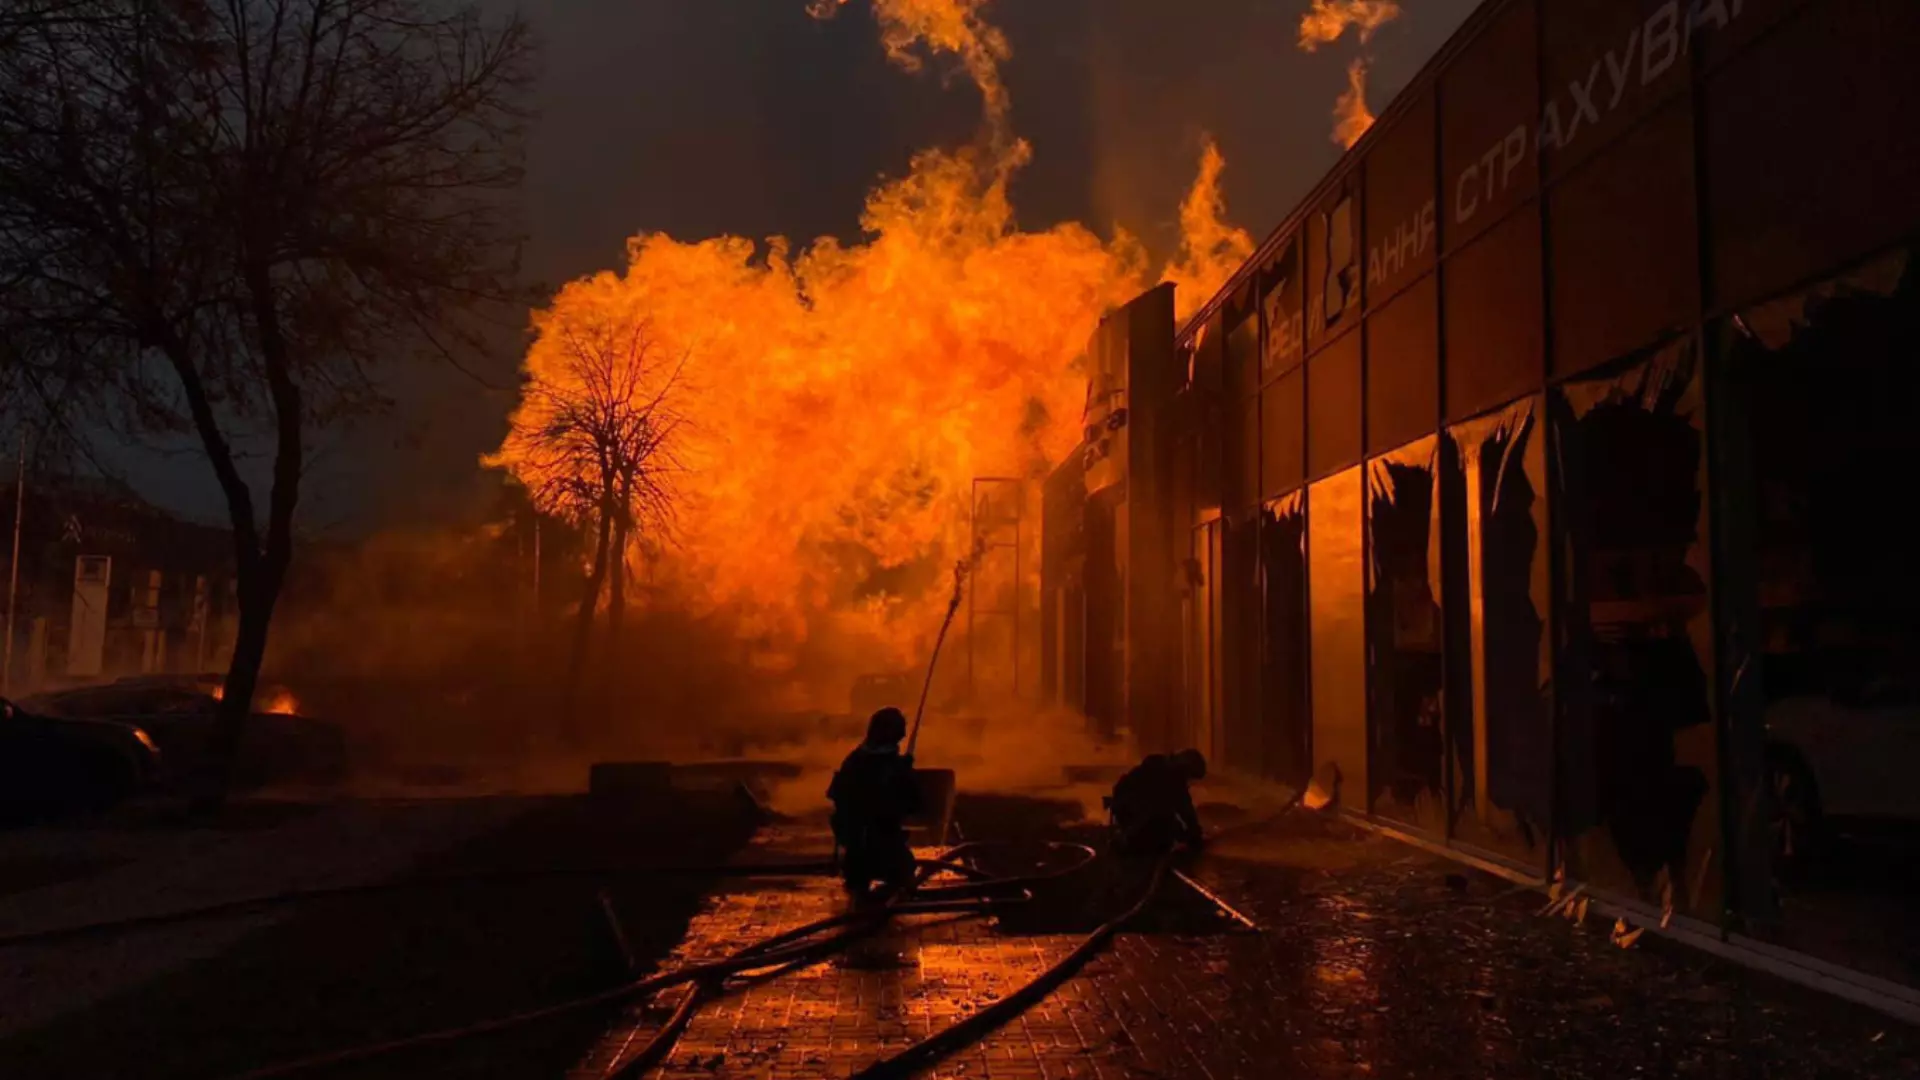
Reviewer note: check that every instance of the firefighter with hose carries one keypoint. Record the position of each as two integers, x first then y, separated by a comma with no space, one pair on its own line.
1152,805
873,795
875,791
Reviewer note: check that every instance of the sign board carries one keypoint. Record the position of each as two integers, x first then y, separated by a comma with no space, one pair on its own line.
87,631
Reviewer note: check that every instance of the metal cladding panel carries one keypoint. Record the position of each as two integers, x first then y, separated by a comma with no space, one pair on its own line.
1606,66
1494,324
1402,231
1403,367
1334,407
1282,311
1283,448
1107,412
1490,104
1248,452
1151,566
1747,22
1625,249
1812,148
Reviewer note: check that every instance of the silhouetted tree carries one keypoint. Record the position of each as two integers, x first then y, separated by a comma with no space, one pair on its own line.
218,215
593,441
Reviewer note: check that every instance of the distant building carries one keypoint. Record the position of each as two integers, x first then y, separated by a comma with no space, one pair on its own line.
166,584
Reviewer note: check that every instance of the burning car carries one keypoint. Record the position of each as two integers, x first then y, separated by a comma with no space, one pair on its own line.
277,745
51,766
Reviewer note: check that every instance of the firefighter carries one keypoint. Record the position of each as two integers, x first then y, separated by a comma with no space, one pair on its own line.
1151,805
873,794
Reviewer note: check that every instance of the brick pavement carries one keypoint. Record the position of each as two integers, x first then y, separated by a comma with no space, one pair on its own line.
1368,965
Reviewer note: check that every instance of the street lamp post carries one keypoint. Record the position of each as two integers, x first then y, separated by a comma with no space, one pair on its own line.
13,569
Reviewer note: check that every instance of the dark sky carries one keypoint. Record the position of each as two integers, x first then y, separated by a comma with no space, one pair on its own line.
702,117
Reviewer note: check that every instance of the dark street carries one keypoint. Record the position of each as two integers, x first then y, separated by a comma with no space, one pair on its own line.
1372,959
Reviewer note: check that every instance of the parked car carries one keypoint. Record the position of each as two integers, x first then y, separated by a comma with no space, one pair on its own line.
52,766
277,744
1843,738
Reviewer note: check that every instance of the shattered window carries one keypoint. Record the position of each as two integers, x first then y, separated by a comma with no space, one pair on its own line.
1335,548
1404,637
1499,660
1822,590
1283,686
1638,763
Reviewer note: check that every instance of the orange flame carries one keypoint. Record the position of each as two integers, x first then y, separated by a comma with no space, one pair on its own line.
839,400
1326,20
1351,117
279,702
1211,249
941,26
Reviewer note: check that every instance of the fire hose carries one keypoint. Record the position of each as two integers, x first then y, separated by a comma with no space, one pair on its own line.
798,945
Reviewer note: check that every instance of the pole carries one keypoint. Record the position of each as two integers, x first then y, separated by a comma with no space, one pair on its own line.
953,606
536,566
13,570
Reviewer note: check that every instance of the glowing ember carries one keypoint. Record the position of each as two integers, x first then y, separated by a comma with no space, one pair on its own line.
1351,117
280,703
838,401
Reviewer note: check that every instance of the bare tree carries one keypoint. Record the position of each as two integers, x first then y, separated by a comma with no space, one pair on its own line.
224,213
594,441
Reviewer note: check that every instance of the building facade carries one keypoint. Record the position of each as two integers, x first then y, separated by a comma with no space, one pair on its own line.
109,584
1541,478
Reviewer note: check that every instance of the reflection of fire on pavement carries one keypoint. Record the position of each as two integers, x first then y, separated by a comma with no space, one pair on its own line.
837,1014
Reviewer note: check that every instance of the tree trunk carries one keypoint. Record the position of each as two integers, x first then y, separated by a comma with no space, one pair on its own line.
617,598
583,631
261,570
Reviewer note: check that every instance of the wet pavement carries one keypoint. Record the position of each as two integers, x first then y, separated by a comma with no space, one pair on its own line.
1373,960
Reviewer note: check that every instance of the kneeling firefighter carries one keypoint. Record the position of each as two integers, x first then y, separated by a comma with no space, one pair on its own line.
873,794
1152,807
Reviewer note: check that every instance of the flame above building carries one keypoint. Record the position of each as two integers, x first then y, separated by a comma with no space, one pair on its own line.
1351,117
838,400
1324,23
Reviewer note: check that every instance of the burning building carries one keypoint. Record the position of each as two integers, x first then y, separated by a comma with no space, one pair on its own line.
1538,482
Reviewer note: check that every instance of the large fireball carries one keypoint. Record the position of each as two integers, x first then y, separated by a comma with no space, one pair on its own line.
838,401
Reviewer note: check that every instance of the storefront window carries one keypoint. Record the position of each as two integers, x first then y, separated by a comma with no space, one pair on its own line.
1405,666
1500,682
1337,596
1814,439
1637,749
1283,585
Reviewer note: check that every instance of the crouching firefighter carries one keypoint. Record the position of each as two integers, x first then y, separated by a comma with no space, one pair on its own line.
1152,808
873,794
